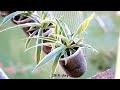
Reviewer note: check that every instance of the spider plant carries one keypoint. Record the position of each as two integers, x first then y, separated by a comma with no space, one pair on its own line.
39,27
66,48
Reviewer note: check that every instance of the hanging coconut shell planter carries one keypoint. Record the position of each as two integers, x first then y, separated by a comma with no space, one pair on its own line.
22,20
76,64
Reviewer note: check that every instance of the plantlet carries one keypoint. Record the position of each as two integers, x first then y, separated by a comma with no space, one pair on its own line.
66,49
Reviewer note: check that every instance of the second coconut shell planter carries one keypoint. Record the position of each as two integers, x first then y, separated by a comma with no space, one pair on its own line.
46,49
76,64
23,20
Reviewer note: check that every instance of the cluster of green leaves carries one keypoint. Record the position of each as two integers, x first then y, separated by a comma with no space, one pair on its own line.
62,40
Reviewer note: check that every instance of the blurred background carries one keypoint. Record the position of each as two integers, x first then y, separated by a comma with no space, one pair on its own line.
102,34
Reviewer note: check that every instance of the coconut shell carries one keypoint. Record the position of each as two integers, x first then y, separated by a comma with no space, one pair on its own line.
47,49
76,64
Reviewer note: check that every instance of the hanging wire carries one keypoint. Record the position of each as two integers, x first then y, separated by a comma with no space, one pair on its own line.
71,18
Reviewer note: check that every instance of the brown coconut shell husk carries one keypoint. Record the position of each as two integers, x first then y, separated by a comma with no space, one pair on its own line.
47,49
76,64
22,21
46,32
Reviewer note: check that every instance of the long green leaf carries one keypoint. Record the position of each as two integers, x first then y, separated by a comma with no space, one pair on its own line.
36,15
28,13
49,56
21,25
33,29
83,25
75,45
70,41
55,64
44,14
70,52
34,19
49,39
61,27
64,53
29,39
46,44
10,16
59,36
65,57
50,21
79,41
90,47
58,44
67,29
39,48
